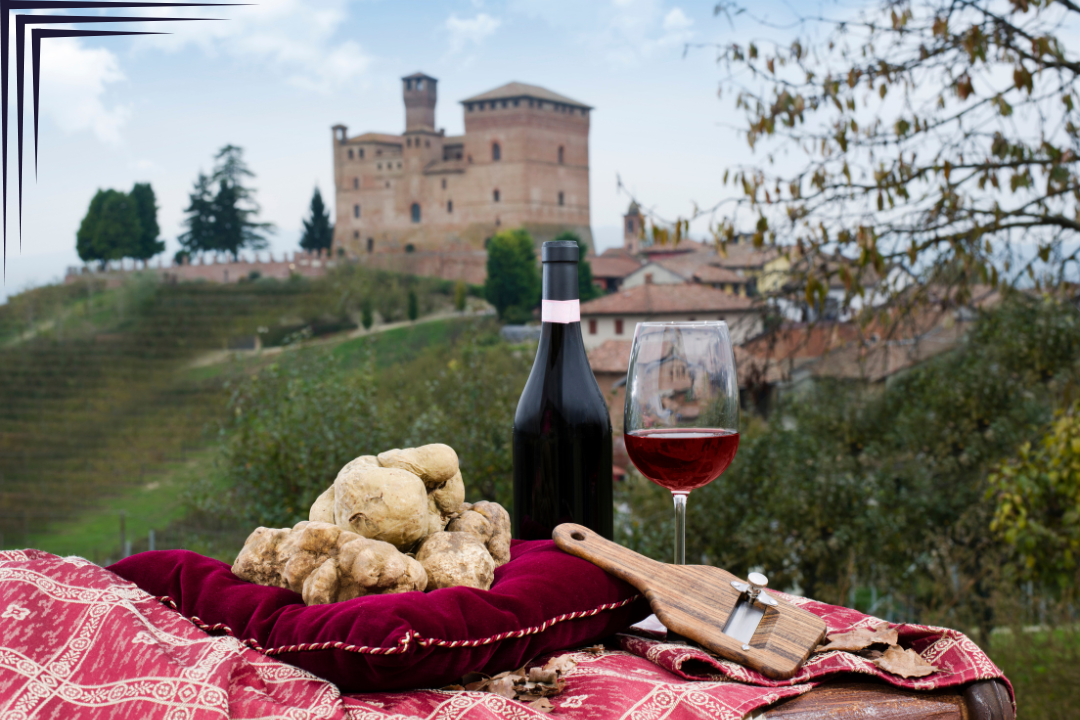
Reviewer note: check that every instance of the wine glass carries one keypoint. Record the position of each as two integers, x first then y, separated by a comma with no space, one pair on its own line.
681,423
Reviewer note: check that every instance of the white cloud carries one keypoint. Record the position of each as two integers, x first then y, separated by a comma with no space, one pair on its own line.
626,32
288,35
74,79
464,32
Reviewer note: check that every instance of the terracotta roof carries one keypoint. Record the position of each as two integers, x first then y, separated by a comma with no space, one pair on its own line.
745,255
613,356
518,89
377,138
613,267
712,274
619,252
649,299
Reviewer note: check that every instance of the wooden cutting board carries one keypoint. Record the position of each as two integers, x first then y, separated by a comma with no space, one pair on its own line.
695,601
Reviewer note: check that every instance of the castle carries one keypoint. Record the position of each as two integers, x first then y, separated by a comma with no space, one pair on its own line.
522,162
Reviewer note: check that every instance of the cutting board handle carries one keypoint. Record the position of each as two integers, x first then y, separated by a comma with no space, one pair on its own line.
621,562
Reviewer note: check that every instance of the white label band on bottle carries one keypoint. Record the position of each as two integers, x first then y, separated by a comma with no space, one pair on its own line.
560,311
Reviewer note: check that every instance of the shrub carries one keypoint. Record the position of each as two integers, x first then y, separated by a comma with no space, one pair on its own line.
297,423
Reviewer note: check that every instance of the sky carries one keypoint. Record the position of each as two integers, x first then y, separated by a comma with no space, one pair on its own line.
273,78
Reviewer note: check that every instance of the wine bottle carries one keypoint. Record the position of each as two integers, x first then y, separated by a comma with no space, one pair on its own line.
562,429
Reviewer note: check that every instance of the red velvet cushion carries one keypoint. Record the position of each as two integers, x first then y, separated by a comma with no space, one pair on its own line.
541,601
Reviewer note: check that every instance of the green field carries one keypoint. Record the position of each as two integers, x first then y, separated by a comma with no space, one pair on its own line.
108,406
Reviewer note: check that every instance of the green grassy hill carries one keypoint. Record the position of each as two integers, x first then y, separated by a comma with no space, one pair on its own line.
107,404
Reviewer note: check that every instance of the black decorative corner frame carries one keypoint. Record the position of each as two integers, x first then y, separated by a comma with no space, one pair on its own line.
37,35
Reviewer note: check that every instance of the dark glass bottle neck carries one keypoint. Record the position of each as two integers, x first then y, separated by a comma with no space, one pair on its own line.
560,281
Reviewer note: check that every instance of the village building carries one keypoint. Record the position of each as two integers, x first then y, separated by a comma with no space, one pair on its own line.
614,316
612,267
523,162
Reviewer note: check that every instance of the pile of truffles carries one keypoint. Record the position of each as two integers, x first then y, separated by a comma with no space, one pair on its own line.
390,523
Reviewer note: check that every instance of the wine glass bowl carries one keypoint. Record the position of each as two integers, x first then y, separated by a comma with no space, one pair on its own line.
681,421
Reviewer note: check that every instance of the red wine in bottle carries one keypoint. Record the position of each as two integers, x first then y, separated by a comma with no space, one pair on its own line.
682,459
562,429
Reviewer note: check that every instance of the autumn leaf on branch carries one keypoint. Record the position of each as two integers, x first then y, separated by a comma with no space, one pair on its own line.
936,139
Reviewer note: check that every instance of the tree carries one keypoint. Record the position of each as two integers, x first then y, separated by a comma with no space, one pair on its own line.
933,135
586,289
461,295
200,234
110,230
224,221
84,238
413,307
318,231
148,244
1038,502
513,280
366,315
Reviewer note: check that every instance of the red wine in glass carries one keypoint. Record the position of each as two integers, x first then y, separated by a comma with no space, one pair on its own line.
682,459
681,420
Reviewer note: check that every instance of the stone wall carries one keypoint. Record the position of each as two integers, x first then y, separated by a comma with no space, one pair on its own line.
212,269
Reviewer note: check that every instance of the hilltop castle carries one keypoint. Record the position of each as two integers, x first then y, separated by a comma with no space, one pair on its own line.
522,162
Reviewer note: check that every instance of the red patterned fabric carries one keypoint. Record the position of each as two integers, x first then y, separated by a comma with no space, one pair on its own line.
542,600
958,659
80,643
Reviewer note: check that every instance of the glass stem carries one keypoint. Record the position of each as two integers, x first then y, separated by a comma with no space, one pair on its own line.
680,527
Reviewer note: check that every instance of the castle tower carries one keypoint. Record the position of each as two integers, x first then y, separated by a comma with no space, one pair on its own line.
419,91
632,229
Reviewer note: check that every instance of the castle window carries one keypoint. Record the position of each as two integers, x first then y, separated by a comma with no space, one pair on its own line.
361,153
496,152
562,154
379,166
408,142
427,143
629,226
505,104
387,183
356,210
350,154
419,84
449,206
399,166
515,102
356,183
416,212
618,326
592,327
495,196
370,244
444,183
560,198
356,234
468,107
379,151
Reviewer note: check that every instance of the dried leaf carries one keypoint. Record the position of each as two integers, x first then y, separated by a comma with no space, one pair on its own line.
561,664
503,686
542,705
543,675
861,638
452,688
595,650
905,663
